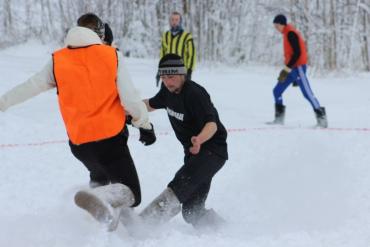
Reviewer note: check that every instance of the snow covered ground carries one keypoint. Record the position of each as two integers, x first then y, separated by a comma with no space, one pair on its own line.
282,187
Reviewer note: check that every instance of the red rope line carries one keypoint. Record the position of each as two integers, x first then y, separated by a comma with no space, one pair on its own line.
233,130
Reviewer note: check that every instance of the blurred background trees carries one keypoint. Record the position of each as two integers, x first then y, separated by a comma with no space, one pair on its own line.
337,32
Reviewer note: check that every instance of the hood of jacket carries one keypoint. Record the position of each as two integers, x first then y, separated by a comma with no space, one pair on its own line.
80,37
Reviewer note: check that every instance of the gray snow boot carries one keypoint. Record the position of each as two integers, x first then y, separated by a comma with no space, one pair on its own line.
279,115
162,208
322,121
104,203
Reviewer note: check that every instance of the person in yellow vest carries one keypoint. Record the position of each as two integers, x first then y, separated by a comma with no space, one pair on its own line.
179,42
94,90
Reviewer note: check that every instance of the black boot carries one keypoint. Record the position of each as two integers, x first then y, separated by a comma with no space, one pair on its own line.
322,121
279,114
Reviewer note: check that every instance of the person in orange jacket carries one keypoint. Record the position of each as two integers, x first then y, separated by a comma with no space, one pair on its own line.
294,71
94,90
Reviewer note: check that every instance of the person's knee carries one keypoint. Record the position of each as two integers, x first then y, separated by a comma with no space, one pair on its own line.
181,188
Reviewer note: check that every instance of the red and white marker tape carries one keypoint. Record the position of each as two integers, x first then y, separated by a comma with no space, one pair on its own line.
233,130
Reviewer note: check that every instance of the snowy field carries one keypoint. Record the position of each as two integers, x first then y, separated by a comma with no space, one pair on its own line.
282,187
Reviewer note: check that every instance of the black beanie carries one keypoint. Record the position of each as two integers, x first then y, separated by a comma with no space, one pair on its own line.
171,64
280,19
108,34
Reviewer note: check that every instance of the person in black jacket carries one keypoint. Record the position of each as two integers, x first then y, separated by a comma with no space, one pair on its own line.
197,126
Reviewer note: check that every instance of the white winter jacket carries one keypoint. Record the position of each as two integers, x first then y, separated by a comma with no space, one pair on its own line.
44,80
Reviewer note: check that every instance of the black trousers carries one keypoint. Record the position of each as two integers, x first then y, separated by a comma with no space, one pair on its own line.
110,161
192,183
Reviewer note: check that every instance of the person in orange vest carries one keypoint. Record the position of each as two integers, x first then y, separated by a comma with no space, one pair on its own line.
94,91
295,69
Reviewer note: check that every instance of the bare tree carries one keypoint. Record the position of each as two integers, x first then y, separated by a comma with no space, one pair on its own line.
231,31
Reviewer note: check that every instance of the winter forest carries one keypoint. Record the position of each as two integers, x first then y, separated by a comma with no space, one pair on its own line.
337,32
286,183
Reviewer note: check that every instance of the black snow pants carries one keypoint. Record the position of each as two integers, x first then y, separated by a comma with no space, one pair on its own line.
110,161
192,183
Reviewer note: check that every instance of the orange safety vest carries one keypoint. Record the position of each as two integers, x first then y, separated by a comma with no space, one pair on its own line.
288,50
87,92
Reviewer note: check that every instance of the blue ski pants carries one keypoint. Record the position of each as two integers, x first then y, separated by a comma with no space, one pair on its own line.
297,74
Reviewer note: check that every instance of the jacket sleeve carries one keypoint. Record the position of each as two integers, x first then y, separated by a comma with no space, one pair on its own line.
294,43
38,83
190,53
130,97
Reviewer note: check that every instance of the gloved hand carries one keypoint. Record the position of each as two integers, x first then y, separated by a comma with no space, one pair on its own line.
157,79
188,74
108,35
147,136
129,119
284,74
